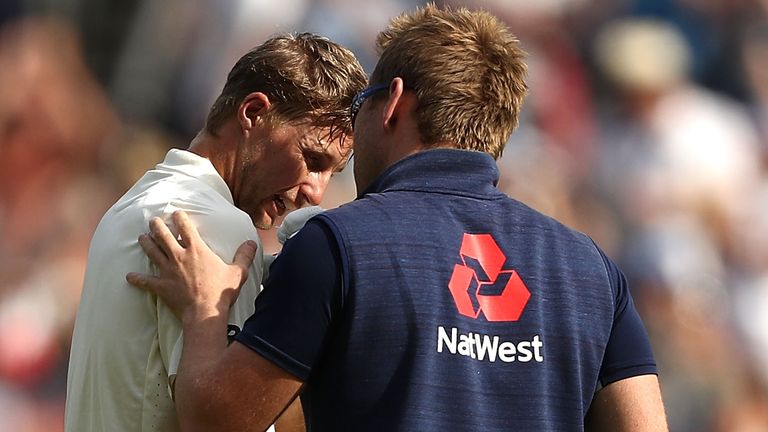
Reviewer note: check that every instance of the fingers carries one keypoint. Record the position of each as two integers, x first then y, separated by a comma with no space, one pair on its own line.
153,251
163,237
244,257
145,282
187,229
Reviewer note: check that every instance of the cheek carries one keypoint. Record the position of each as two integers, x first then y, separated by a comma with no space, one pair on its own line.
290,169
282,174
257,187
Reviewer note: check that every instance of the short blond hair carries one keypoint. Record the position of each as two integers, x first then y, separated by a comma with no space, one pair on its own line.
467,70
306,77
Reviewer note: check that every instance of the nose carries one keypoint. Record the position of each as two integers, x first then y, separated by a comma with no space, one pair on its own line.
314,188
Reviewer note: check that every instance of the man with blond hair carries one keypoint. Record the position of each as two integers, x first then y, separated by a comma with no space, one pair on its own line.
433,302
271,142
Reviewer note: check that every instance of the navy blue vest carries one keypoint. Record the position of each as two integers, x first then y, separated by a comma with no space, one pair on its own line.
463,309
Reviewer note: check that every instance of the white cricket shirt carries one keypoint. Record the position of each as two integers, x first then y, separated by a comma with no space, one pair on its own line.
126,343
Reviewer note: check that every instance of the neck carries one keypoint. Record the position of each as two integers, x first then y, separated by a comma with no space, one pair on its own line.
220,151
393,149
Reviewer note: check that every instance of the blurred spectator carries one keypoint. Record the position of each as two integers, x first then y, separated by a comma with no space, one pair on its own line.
669,144
9,10
755,65
54,121
681,164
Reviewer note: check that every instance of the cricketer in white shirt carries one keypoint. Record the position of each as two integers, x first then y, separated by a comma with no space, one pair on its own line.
127,344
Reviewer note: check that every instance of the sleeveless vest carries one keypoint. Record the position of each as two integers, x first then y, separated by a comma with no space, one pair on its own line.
463,309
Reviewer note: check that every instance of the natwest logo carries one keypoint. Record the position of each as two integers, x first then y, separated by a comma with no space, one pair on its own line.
479,283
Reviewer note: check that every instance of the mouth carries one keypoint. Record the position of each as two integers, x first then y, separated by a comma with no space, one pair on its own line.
279,205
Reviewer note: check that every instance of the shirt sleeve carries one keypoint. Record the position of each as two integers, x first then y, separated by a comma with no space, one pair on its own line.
628,352
299,300
169,338
223,242
169,331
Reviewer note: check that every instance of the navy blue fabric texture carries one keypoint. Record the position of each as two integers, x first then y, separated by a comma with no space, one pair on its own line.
301,295
435,302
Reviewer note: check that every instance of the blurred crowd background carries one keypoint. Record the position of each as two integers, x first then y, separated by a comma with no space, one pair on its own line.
646,128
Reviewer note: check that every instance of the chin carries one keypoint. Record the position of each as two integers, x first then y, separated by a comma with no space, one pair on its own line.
261,220
264,224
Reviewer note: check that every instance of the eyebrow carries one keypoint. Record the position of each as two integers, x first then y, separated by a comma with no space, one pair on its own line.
321,145
344,162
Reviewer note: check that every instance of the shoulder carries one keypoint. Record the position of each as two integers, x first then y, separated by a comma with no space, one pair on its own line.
159,194
214,214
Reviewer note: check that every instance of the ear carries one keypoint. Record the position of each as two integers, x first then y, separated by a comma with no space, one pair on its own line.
250,110
394,104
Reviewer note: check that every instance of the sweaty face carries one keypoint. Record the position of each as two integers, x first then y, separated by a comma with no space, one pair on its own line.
285,168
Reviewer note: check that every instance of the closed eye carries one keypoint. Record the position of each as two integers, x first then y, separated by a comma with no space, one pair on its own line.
316,162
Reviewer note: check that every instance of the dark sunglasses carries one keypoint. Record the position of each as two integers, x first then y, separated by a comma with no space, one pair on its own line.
357,101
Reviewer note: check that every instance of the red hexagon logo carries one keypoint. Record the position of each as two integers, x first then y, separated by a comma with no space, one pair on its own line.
480,284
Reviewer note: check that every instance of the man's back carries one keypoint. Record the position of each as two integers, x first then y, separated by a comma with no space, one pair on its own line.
126,343
463,309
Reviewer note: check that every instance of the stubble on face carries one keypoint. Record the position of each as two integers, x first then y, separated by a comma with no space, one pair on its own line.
289,169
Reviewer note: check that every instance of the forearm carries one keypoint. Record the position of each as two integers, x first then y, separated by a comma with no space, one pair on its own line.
292,419
227,388
630,405
198,386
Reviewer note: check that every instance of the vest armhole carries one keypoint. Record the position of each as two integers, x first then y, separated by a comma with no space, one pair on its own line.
342,250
